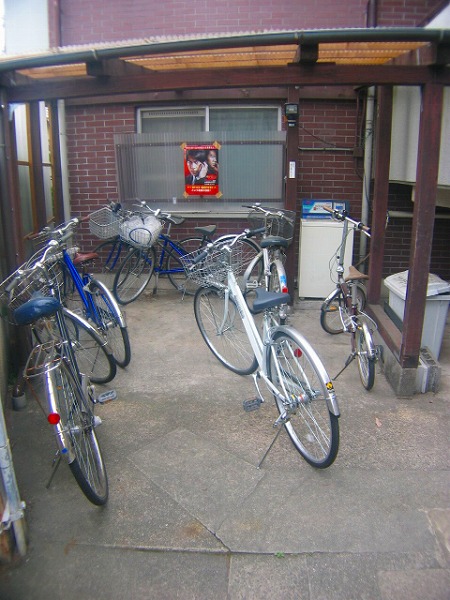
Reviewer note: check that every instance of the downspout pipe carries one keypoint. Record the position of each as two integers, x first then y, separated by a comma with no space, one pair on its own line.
367,177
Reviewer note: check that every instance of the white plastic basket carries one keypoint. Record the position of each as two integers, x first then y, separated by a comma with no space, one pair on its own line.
141,231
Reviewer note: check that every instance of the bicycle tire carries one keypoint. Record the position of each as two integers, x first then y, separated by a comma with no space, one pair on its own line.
330,312
134,275
110,258
77,423
231,346
110,322
297,372
366,362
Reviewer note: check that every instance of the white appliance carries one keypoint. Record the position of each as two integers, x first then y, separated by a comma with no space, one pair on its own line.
319,240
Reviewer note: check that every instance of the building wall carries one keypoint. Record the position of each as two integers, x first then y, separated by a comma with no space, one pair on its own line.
334,172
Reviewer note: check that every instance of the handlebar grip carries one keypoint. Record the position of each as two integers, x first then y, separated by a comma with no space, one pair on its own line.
253,232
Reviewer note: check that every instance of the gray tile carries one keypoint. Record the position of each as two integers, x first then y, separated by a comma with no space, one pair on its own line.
203,478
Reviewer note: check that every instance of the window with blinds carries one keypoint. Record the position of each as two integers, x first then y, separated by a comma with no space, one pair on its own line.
150,164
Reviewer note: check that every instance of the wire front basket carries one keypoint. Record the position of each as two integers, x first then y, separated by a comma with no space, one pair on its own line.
213,268
21,286
104,223
277,222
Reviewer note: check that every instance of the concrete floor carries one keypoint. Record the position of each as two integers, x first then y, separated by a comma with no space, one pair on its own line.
191,516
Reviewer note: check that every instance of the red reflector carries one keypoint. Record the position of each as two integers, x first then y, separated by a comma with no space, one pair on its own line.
284,289
297,352
53,418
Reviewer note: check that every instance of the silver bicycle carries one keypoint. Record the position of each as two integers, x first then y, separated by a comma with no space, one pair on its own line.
279,357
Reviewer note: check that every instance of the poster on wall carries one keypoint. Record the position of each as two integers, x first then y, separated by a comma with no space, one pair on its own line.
201,169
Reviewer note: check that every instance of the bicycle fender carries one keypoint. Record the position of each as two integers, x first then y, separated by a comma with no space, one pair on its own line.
111,299
369,340
330,297
331,399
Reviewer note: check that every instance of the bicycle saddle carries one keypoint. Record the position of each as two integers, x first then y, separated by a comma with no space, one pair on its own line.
274,240
39,306
265,299
80,259
208,230
355,275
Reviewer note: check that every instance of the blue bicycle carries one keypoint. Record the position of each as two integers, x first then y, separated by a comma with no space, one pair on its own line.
90,296
135,271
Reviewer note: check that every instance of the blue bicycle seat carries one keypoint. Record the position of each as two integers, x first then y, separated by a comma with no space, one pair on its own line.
265,299
37,307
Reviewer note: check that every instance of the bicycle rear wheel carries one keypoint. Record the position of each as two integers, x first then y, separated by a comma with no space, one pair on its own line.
77,425
225,337
365,360
109,321
304,389
134,274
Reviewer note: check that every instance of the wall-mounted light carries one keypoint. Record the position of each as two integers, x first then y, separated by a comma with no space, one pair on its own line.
291,113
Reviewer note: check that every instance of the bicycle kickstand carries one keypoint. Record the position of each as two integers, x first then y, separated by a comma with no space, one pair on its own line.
55,464
269,448
155,287
347,362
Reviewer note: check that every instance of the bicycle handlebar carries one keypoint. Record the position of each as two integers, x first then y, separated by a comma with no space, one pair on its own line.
247,233
343,216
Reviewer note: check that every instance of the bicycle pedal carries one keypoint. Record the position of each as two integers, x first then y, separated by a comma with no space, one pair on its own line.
106,396
252,404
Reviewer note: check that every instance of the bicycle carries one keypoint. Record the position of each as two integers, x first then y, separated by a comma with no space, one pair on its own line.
98,304
342,310
140,264
278,230
280,356
94,356
32,297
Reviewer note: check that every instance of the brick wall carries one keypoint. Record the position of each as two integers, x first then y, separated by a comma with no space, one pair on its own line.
85,21
398,236
407,13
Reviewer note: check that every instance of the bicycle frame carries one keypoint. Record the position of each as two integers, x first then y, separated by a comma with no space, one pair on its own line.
82,284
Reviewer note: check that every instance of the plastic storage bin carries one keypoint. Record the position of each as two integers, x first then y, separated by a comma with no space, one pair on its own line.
436,307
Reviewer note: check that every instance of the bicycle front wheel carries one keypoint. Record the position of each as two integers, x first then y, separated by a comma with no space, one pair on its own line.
134,274
223,330
108,320
77,425
302,398
365,360
334,306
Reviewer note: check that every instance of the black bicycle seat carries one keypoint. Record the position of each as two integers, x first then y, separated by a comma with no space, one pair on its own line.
208,230
273,240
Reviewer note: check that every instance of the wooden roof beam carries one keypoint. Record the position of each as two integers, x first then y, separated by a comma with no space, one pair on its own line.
306,54
113,68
